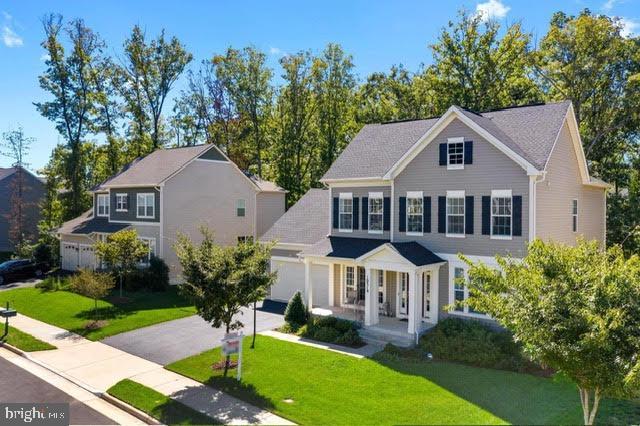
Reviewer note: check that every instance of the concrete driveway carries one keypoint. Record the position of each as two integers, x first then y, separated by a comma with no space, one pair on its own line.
171,341
31,282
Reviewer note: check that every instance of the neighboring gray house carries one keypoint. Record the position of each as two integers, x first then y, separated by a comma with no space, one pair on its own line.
33,193
173,191
405,198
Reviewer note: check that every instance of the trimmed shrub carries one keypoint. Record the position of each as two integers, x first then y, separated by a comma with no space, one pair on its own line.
53,283
473,343
331,330
155,277
326,334
349,338
296,313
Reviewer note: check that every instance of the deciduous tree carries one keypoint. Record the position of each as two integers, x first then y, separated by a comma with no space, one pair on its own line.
122,252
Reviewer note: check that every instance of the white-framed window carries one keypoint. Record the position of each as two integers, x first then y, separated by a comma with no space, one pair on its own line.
460,291
455,214
415,211
574,215
151,242
146,205
376,210
501,214
103,204
455,153
345,212
349,284
241,208
122,202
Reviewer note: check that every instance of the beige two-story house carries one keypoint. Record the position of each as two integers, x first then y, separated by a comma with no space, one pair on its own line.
173,191
381,244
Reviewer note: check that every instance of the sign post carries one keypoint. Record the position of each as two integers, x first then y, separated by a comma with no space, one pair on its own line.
6,314
232,344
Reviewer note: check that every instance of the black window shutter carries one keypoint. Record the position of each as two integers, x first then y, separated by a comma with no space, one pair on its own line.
402,220
468,214
356,212
517,215
386,213
443,154
365,213
426,214
442,214
468,152
486,215
336,212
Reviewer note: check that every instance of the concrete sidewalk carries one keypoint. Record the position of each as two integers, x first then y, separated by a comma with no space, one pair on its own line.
97,367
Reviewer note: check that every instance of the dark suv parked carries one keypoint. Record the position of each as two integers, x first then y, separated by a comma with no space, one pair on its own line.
18,269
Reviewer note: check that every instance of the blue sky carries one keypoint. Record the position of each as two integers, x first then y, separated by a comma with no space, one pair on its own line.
377,33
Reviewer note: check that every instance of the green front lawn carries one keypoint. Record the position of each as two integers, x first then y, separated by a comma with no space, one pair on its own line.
314,386
157,405
24,341
72,312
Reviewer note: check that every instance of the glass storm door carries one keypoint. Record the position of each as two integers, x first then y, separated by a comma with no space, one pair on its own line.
404,293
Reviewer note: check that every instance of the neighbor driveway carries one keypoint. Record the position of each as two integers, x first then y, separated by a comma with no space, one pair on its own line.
171,341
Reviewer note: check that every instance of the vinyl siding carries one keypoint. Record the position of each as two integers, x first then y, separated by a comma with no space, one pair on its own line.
555,194
270,206
360,192
205,193
131,214
33,193
491,170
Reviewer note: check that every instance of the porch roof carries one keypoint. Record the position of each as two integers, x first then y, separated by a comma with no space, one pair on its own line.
87,223
361,248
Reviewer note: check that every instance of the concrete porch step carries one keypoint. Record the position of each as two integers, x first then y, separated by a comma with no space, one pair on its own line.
382,337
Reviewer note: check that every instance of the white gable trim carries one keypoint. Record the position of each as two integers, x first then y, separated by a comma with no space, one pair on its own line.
452,113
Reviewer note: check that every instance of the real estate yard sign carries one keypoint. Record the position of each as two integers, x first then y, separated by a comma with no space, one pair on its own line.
232,344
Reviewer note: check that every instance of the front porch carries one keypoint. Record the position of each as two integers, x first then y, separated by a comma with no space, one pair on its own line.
391,296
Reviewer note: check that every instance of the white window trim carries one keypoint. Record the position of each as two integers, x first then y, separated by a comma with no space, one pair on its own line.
244,207
345,196
577,203
456,194
413,195
150,242
375,196
500,193
465,312
118,195
106,206
455,166
153,205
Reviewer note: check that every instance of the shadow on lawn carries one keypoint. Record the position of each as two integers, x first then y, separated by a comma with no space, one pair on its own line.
514,397
241,390
175,413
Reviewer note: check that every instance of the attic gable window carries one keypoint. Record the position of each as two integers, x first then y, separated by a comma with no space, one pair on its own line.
455,153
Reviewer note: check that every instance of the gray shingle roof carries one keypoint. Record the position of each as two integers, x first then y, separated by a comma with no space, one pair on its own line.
416,253
530,131
304,223
86,224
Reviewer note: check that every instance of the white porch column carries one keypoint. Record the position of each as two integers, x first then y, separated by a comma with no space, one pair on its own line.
435,294
308,284
414,302
331,284
370,298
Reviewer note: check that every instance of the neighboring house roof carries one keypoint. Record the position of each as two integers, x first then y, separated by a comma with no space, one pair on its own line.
304,223
529,131
265,185
5,172
155,168
86,223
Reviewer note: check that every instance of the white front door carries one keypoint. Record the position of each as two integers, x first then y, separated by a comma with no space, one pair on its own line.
403,294
426,295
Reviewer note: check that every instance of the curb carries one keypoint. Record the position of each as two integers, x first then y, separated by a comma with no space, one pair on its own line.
102,395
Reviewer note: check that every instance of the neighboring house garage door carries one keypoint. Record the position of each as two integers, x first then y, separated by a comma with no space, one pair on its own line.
291,279
69,255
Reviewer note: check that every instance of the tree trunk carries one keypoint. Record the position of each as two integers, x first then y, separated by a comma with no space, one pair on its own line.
253,341
228,359
589,411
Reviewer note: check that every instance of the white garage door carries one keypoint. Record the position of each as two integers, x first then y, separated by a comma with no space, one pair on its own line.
87,257
69,256
291,279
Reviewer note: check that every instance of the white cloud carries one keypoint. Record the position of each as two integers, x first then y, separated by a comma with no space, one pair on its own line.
275,51
629,27
7,17
492,9
608,5
45,57
10,38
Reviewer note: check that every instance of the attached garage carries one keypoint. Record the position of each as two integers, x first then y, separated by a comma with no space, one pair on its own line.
291,279
74,256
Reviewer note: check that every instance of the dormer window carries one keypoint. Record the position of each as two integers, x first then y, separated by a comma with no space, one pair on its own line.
103,205
455,153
